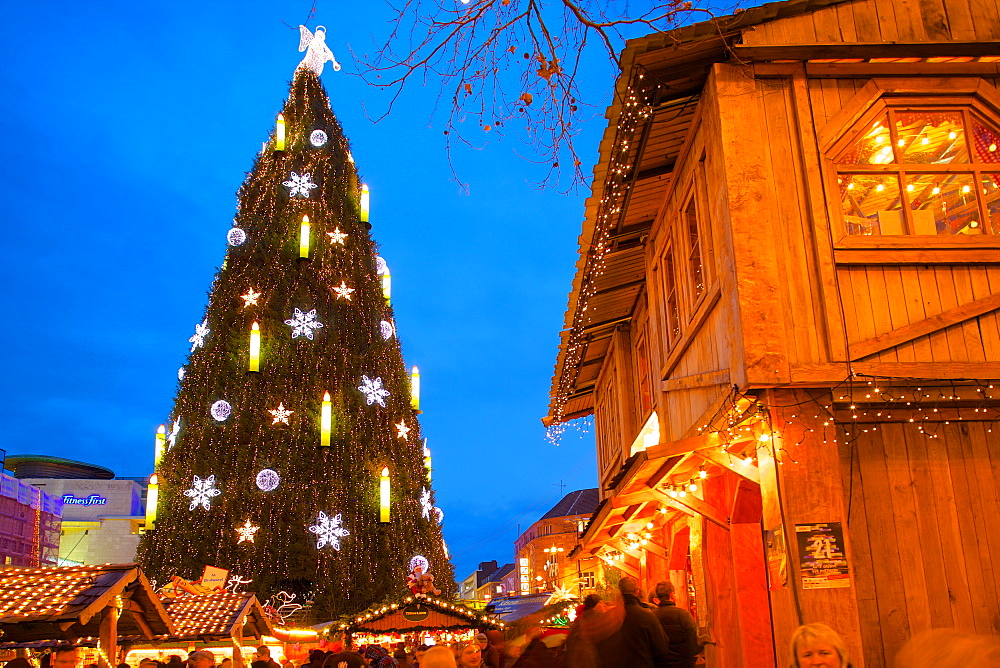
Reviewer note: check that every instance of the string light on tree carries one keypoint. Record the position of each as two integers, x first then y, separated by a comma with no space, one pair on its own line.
343,292
299,185
373,391
303,324
246,532
236,236
329,531
200,332
402,431
337,237
202,492
221,410
267,480
250,298
280,414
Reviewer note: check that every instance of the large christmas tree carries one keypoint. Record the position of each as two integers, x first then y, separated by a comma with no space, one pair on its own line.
295,401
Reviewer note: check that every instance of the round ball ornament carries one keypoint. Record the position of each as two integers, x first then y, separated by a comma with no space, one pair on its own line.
221,410
421,561
267,480
180,374
317,138
236,236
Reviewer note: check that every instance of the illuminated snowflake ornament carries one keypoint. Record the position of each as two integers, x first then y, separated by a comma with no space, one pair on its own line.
439,515
387,329
402,431
202,492
251,297
317,138
343,292
267,480
236,236
373,391
200,332
329,531
299,185
303,324
221,410
280,414
425,503
337,237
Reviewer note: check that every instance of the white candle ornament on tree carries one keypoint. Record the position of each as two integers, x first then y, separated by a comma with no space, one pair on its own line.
221,410
303,324
317,52
200,332
202,492
373,391
267,480
329,531
299,185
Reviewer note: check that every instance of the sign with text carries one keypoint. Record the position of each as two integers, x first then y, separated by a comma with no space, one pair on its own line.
822,558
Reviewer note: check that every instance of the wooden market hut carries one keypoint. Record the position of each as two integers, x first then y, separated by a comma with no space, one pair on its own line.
80,602
416,616
785,323
223,617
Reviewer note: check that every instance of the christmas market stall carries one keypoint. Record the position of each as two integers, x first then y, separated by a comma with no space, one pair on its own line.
414,620
87,605
229,624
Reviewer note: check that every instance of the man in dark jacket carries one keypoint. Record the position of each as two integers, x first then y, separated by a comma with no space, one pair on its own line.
640,642
679,626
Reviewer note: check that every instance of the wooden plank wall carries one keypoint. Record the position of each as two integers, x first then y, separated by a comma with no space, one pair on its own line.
925,530
885,20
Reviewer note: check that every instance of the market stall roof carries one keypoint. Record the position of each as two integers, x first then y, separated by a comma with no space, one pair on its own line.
65,603
512,608
218,616
418,615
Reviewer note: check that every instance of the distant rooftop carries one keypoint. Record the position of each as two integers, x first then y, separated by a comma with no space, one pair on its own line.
44,466
580,502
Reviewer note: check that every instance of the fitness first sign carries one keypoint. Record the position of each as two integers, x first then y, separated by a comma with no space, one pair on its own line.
92,499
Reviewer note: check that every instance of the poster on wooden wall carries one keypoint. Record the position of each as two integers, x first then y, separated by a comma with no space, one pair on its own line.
822,560
777,558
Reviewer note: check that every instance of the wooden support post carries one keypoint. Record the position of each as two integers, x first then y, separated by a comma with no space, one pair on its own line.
237,649
108,636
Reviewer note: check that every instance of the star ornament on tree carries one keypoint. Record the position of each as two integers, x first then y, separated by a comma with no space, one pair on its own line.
402,431
280,414
200,332
202,492
250,298
299,185
373,391
246,532
337,237
303,324
329,531
343,292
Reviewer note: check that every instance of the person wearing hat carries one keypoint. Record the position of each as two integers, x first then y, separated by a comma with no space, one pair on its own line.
491,655
201,659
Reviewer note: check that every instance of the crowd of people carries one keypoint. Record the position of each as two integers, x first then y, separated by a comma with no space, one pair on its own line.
630,633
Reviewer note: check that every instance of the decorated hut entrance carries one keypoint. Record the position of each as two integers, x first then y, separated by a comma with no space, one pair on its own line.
413,621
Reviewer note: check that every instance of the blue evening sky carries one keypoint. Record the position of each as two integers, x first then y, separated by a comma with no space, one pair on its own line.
127,129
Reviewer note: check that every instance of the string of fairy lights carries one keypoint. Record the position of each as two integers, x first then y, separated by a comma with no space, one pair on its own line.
294,450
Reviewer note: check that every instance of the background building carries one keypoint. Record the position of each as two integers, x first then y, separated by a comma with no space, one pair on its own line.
102,516
29,524
542,552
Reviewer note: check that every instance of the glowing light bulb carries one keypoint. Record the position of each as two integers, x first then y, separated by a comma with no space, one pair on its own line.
901,143
952,134
966,189
692,487
304,237
326,420
748,461
935,190
702,473
279,134
993,147
879,188
255,347
384,496
909,187
925,141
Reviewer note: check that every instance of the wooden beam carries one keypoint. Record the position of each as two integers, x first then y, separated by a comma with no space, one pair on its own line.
663,471
696,381
707,510
140,621
731,463
906,333
970,255
108,638
627,500
834,374
865,50
921,69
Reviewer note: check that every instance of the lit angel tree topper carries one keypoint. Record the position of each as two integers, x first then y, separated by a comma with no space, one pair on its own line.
323,323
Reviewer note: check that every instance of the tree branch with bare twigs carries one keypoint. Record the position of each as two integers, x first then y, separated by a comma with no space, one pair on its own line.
513,67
